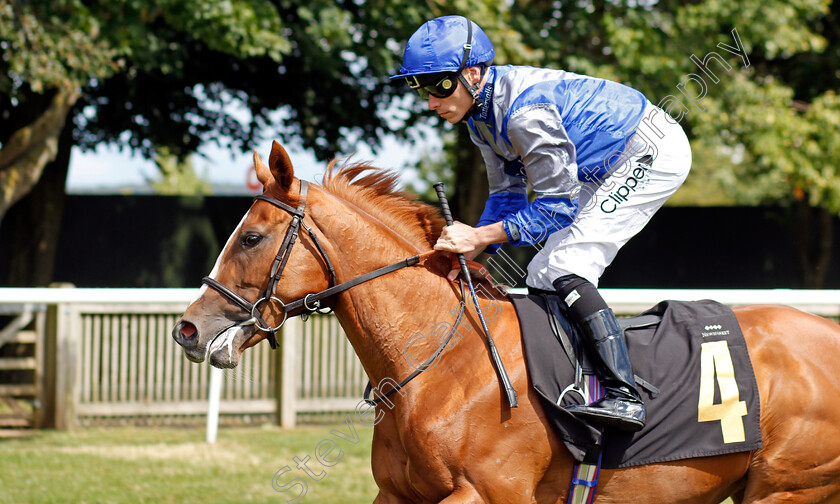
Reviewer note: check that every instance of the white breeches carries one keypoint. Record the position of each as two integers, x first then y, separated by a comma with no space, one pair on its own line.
613,212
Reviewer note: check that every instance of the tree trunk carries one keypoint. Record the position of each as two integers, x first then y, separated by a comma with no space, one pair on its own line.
26,153
470,181
814,236
35,221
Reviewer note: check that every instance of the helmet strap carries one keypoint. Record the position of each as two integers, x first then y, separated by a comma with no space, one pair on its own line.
474,90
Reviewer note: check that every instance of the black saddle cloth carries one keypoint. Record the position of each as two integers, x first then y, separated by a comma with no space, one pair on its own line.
690,365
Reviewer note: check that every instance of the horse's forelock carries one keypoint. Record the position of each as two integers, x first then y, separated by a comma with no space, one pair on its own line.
378,192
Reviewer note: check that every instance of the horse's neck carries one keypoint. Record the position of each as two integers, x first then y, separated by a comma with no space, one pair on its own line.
390,321
394,323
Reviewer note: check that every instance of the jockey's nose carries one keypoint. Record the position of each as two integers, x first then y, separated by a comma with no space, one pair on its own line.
186,334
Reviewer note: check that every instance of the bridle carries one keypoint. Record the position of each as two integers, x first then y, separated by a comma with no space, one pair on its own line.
277,267
311,303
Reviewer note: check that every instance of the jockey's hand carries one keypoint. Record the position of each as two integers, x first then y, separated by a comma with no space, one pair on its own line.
455,267
458,238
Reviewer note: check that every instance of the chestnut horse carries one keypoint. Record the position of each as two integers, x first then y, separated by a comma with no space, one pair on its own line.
450,436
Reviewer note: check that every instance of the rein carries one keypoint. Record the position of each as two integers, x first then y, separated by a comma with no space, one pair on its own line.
311,303
462,305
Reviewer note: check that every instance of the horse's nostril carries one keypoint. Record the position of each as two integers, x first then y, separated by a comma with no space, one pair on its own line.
187,330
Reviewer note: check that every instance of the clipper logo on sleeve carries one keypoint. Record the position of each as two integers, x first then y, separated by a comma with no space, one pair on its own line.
636,181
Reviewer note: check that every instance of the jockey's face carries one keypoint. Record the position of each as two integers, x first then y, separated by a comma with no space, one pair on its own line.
454,107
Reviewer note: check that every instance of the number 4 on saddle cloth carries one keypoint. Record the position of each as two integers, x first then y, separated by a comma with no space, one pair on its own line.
692,369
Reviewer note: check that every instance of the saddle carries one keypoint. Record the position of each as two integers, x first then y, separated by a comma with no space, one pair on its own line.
691,366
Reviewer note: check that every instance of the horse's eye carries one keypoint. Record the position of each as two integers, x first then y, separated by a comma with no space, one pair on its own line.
251,239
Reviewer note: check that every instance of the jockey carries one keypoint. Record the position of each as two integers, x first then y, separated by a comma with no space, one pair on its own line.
600,160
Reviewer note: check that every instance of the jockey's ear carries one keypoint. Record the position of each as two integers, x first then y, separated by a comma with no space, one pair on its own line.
263,173
281,166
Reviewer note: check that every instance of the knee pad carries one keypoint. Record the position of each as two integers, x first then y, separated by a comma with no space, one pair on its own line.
579,297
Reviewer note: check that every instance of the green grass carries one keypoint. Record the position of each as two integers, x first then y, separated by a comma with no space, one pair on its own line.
149,465
166,465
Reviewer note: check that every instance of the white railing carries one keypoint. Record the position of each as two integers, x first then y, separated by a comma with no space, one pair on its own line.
105,353
108,352
825,303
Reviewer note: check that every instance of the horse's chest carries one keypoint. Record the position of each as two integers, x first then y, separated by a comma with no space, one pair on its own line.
417,462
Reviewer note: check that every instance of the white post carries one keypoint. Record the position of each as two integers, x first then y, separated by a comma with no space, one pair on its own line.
214,396
285,373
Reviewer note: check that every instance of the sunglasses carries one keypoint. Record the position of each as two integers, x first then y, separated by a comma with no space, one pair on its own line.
440,89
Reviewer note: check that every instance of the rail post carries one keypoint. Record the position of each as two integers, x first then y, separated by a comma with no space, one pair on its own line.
61,367
285,373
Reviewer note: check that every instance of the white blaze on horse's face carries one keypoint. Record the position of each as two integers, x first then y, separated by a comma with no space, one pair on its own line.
215,269
224,342
209,330
216,327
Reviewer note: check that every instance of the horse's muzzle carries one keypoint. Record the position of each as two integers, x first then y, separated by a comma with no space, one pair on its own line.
185,334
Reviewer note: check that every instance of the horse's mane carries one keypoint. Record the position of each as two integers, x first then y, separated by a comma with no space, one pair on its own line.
376,191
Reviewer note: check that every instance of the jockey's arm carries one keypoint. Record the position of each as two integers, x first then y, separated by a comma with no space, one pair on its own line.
463,239
470,241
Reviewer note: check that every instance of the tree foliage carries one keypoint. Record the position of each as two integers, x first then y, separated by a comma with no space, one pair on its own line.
651,46
45,55
764,123
178,176
178,73
173,74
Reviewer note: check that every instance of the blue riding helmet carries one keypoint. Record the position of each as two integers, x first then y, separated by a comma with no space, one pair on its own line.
440,46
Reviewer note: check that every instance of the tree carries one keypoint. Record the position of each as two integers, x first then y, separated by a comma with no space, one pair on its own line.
762,103
175,74
40,74
784,114
178,177
39,85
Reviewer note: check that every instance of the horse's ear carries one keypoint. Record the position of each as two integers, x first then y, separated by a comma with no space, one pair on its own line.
281,166
263,173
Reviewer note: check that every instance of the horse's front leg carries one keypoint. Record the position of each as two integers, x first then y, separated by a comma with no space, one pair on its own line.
384,497
464,495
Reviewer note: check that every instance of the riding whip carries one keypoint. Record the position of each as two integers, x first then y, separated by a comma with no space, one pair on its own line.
465,273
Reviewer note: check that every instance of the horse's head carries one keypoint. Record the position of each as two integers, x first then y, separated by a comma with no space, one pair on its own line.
246,302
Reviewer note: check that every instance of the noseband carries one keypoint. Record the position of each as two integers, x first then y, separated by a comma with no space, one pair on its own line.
311,303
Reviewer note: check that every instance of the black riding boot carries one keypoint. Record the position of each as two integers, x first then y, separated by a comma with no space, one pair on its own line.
622,406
